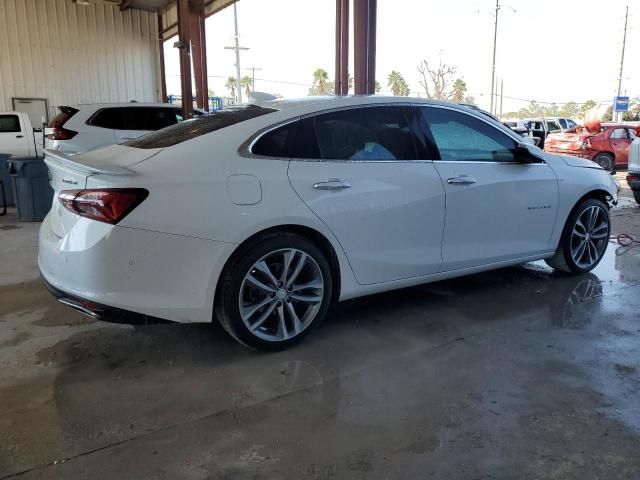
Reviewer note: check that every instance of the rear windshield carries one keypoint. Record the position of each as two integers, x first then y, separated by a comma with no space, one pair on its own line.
195,127
61,118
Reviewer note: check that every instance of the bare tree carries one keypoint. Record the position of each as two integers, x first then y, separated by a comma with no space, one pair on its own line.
436,81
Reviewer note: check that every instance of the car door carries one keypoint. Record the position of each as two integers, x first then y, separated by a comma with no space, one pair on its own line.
14,139
620,143
138,121
498,209
356,169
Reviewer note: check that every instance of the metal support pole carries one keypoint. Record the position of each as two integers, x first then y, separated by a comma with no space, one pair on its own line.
184,37
342,47
163,75
493,65
364,34
199,52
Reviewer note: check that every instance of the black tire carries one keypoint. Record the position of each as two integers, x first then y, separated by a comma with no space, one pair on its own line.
227,303
606,161
563,259
636,195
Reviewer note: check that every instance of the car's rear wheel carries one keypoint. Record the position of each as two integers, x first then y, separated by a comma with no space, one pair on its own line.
584,239
605,160
274,292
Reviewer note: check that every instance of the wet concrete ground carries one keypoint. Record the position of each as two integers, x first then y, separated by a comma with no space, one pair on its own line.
518,373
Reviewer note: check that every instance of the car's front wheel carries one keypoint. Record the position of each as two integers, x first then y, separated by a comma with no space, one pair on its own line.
274,292
584,239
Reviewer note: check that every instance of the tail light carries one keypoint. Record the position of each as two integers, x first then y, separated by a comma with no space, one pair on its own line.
61,134
633,177
109,205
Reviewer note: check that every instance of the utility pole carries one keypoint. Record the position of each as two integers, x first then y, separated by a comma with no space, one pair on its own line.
237,48
501,95
624,42
493,66
253,77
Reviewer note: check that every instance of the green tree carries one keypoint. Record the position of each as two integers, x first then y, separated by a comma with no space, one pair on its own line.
458,91
230,84
247,84
377,87
395,81
570,109
321,84
586,106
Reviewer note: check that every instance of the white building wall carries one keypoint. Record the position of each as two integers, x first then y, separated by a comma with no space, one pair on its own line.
69,53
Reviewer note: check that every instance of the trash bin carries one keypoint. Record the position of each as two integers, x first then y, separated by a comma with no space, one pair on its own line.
31,188
5,178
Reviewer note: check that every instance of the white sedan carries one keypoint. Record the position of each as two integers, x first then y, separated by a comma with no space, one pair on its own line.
261,216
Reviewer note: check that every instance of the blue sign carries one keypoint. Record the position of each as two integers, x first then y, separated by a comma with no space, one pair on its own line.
621,104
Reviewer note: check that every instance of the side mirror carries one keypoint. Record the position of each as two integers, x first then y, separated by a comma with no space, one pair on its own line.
526,153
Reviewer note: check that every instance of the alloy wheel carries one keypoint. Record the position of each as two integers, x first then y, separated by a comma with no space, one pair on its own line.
589,237
281,294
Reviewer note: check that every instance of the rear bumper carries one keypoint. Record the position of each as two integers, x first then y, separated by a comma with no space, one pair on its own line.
103,269
633,179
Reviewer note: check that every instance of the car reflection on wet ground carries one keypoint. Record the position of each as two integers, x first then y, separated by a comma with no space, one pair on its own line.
517,373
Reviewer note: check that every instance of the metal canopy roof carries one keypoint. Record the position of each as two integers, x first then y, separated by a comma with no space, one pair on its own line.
211,6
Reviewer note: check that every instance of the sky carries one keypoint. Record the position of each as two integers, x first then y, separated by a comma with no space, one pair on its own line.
547,50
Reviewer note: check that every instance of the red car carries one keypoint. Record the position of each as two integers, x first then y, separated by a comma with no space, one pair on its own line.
609,147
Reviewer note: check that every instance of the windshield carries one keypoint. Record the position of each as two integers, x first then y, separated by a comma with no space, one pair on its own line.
196,127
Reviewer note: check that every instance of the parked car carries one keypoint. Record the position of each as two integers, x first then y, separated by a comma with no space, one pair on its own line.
80,128
262,215
633,172
609,147
540,128
17,136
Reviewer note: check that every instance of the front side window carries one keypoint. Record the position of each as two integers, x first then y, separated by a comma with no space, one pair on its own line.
563,123
9,123
366,134
619,133
462,137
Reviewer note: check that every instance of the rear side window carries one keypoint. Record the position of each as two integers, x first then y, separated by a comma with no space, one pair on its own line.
620,133
462,137
370,133
277,142
553,127
64,114
134,118
9,123
196,127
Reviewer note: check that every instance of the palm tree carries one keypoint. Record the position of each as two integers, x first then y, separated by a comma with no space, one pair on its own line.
320,83
247,84
230,84
396,82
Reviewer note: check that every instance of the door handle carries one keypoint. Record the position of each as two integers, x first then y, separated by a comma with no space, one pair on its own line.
19,136
461,180
332,184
